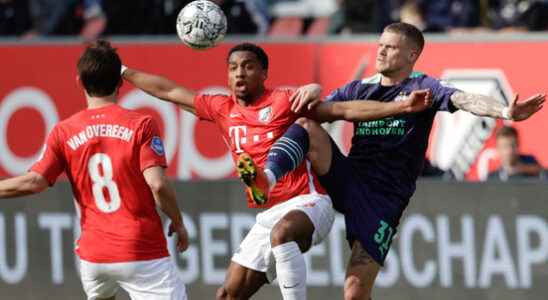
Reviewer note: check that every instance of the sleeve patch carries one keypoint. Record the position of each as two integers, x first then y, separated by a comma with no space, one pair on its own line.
157,145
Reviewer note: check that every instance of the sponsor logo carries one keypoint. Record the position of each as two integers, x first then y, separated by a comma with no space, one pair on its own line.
384,127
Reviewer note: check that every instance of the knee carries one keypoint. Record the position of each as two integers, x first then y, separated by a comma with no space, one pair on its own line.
230,292
309,125
221,294
302,121
282,233
316,136
354,289
233,288
353,294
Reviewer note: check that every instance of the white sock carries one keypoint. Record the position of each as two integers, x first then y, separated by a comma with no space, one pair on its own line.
291,271
270,177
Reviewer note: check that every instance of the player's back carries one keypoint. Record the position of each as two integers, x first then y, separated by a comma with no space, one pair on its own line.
106,151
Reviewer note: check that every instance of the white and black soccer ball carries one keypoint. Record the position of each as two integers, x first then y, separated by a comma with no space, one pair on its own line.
201,24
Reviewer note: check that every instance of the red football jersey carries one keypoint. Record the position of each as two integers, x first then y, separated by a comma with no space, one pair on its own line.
104,152
254,129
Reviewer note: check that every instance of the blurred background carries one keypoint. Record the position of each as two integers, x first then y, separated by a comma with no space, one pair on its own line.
477,227
28,19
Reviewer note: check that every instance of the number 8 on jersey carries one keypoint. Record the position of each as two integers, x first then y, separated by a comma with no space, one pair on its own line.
105,181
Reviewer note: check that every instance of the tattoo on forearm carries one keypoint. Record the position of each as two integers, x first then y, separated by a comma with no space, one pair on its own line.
479,105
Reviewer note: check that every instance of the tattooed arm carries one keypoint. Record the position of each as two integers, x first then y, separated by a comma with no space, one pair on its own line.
478,105
487,106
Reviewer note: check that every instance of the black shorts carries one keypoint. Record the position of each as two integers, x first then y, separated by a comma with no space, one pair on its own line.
366,218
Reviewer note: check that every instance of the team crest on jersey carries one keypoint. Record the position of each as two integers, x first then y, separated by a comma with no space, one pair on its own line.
401,97
157,145
265,114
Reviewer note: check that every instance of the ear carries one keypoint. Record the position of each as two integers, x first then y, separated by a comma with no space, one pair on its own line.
265,74
414,55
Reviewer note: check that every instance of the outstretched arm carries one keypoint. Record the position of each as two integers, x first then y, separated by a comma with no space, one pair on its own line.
161,87
487,106
360,110
27,184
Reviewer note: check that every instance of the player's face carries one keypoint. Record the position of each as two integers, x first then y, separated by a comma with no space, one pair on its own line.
507,148
245,75
394,54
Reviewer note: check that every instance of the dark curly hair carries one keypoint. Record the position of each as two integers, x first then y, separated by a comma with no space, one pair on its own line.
258,51
99,69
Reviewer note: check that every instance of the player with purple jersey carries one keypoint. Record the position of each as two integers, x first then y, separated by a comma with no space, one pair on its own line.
390,151
373,184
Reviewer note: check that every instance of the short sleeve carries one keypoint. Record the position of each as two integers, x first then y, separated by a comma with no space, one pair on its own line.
441,94
288,91
345,93
51,162
151,147
204,107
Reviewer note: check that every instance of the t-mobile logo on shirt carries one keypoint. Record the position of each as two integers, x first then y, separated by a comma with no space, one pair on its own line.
237,134
240,136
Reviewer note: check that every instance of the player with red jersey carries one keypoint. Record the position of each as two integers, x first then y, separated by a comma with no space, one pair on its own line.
253,129
251,119
114,160
299,214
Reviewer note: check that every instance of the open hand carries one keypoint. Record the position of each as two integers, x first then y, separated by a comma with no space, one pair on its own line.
306,96
524,109
182,236
418,101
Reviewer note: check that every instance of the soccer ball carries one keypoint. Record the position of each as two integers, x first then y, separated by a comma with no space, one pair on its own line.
201,24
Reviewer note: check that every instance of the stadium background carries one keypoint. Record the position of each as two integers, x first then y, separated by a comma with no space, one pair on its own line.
477,240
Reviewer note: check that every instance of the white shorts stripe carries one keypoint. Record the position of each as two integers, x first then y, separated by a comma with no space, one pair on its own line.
311,185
